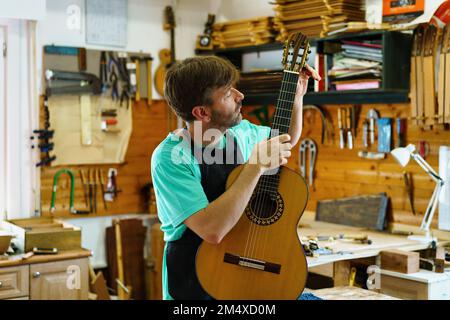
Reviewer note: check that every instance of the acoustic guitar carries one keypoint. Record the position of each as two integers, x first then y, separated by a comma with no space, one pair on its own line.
166,56
262,257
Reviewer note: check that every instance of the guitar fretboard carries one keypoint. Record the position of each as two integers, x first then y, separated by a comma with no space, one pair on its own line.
280,125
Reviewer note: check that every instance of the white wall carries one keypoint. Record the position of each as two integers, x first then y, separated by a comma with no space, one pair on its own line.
22,9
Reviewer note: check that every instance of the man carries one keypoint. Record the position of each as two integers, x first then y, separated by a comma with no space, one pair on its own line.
190,167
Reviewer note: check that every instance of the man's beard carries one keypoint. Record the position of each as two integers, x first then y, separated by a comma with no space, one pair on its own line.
218,121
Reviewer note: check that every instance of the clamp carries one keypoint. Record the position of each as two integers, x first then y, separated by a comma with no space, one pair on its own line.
308,143
72,191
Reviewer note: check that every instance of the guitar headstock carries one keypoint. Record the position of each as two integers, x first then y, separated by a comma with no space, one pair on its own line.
295,53
169,18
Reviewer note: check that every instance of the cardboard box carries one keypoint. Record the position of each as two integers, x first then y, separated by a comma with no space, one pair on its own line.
43,233
400,261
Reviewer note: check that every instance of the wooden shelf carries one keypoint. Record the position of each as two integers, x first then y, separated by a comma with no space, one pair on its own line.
335,97
395,74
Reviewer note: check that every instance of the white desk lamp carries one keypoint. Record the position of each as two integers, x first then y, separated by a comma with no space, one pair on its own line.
403,155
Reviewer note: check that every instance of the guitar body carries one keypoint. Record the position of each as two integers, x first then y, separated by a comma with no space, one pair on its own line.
160,73
275,245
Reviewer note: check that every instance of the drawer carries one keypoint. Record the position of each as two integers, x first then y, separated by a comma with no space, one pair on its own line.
14,282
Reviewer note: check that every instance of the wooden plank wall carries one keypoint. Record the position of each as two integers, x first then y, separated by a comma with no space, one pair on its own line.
341,173
338,173
150,126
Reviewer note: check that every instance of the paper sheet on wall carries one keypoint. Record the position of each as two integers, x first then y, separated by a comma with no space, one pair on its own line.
106,22
105,148
444,197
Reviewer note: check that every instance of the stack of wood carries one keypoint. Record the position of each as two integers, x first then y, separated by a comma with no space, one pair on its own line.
247,32
315,18
260,82
345,12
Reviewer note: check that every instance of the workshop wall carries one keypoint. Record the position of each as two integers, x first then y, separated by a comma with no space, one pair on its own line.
145,27
150,127
341,173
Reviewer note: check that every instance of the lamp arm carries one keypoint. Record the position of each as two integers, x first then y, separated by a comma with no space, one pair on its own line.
427,168
429,213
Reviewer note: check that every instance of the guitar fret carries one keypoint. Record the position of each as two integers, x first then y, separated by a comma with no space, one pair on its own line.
290,101
281,117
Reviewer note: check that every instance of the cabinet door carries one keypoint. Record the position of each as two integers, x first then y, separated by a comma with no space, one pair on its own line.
59,280
13,282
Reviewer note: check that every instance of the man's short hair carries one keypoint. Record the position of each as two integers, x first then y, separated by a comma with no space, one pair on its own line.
191,82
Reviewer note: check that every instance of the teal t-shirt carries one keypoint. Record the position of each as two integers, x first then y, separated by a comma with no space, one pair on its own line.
177,180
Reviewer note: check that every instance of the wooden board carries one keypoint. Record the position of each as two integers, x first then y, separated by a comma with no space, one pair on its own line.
350,293
362,211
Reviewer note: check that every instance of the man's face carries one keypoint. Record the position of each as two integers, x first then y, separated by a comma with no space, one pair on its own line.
226,108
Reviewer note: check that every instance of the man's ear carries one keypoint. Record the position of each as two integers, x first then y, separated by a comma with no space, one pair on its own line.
201,113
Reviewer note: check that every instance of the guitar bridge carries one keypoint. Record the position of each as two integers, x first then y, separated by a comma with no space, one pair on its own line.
252,263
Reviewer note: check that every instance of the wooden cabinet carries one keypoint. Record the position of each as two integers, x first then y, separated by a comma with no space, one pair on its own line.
60,280
60,277
14,282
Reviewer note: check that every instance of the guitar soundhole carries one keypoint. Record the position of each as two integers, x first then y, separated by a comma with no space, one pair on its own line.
264,209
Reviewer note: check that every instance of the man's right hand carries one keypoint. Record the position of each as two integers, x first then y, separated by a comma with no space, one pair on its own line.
272,153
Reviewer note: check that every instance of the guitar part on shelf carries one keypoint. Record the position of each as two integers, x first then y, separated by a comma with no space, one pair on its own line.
444,78
429,76
267,269
166,56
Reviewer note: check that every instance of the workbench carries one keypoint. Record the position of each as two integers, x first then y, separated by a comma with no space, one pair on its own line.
337,266
46,277
349,249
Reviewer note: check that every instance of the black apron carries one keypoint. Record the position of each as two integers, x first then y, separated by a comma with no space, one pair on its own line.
180,254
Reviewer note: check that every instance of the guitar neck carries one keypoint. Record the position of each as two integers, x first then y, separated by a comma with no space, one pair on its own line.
285,103
172,45
280,125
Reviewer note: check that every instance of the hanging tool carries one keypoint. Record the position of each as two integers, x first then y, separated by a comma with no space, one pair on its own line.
111,187
85,186
341,129
372,115
103,71
91,192
148,61
305,144
136,61
366,134
423,149
349,128
68,51
384,134
401,128
102,186
81,82
371,155
325,122
352,277
46,161
409,190
72,191
94,182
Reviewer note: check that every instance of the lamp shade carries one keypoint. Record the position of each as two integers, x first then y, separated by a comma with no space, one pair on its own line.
402,155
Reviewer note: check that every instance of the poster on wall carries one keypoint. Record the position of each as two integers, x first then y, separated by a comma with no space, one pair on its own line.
402,11
106,22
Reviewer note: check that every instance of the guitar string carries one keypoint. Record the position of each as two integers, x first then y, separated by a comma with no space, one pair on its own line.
261,196
284,116
265,197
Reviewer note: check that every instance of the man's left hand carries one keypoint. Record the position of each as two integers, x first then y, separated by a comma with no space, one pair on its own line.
305,74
